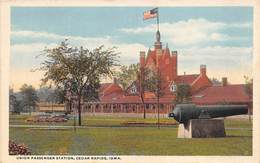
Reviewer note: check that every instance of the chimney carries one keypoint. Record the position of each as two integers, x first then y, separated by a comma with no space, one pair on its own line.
142,58
175,64
203,69
224,81
167,51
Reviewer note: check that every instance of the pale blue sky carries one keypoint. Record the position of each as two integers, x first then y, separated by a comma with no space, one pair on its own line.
220,37
104,21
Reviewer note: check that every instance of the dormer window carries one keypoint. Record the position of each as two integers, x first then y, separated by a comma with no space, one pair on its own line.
173,88
133,89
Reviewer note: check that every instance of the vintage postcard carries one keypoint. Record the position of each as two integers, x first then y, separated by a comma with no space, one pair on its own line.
114,81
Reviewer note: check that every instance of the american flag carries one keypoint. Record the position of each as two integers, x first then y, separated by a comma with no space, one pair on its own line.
151,14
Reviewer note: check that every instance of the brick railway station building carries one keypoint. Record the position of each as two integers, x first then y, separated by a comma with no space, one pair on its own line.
112,98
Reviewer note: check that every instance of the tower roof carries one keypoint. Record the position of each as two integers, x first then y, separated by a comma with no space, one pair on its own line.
158,44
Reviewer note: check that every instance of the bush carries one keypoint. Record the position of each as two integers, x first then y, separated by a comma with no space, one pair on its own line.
18,149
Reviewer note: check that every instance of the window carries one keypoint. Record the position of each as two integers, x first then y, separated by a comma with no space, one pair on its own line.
133,89
173,88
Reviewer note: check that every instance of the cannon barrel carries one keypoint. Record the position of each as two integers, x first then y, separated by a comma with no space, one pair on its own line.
184,112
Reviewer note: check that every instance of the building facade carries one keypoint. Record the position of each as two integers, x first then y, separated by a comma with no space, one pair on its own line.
112,98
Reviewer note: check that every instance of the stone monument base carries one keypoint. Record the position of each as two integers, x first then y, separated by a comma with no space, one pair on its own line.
202,128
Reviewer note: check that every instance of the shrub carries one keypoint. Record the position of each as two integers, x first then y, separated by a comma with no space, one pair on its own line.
18,149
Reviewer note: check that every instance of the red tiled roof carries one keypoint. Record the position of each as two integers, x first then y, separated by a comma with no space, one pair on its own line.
220,94
104,86
111,98
108,88
117,98
188,79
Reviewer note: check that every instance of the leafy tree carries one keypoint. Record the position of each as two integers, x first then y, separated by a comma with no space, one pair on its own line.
59,95
29,98
143,86
146,77
183,93
43,93
51,95
56,95
153,82
249,86
249,91
78,69
12,101
127,75
147,81
18,106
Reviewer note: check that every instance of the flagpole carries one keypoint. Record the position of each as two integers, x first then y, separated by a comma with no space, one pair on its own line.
158,19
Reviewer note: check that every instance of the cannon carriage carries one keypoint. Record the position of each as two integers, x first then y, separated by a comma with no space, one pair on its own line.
197,121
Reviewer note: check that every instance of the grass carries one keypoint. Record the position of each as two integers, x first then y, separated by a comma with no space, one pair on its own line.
238,123
130,140
88,121
118,121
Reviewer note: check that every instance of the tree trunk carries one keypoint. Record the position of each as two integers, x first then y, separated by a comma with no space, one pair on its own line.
158,111
142,99
70,106
79,109
144,110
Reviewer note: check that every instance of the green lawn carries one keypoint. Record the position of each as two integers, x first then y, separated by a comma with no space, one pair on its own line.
118,121
89,121
131,140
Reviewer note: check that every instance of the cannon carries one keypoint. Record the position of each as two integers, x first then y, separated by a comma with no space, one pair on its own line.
185,112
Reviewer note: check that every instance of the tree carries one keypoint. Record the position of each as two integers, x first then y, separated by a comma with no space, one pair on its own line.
144,85
147,82
44,93
145,76
29,98
249,86
127,75
183,93
15,102
249,91
56,95
78,69
153,82
12,101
